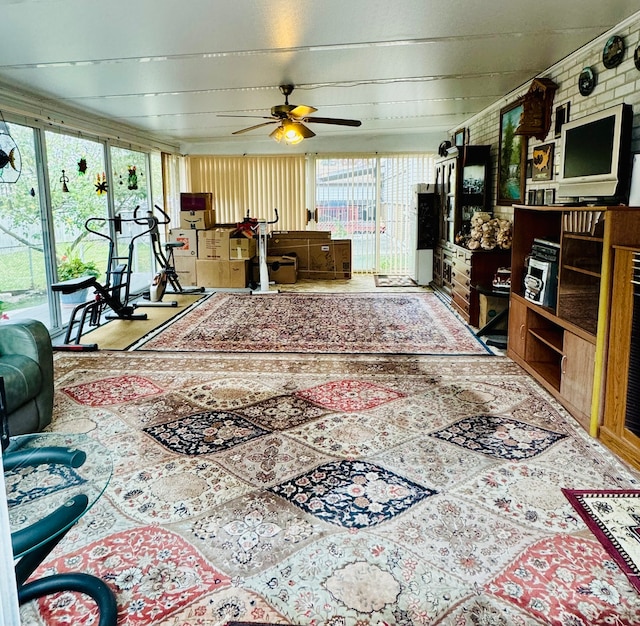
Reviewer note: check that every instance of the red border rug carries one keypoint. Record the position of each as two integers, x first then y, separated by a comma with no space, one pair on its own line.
614,518
355,323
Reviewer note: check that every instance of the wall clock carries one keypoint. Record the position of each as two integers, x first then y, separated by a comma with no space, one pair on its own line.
613,52
586,81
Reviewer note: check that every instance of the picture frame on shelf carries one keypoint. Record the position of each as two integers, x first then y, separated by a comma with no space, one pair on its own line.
512,156
543,162
549,196
459,137
562,117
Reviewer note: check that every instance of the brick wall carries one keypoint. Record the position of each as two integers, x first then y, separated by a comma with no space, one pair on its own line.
613,86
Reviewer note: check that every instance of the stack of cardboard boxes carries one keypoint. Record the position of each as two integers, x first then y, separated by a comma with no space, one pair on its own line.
211,256
223,256
319,257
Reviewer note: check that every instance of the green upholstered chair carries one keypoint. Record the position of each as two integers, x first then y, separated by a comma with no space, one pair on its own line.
26,365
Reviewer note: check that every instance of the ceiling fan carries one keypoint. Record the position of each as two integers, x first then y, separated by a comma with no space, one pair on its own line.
289,118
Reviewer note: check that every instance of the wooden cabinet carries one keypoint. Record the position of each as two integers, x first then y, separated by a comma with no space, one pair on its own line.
462,188
620,429
577,366
458,271
567,345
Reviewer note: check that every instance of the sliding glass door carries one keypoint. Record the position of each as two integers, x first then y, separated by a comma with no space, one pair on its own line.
23,271
371,202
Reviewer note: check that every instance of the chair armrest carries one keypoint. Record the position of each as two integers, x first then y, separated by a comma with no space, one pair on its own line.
28,338
31,338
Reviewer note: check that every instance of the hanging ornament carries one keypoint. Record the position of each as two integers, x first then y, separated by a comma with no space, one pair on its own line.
132,181
101,184
64,180
10,159
120,181
82,166
32,192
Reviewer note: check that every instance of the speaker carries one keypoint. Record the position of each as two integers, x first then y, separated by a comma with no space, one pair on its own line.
427,221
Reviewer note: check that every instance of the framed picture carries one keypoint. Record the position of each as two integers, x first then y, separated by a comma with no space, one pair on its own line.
562,117
459,138
512,156
543,162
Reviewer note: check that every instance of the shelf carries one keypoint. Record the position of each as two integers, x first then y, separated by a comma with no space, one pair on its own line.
581,270
548,371
583,237
549,336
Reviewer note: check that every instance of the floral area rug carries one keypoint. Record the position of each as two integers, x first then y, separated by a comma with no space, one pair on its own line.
333,490
413,323
614,518
386,280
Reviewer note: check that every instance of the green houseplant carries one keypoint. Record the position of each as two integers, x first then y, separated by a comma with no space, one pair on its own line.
73,267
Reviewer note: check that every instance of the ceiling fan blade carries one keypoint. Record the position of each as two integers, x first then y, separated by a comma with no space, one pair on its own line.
304,131
260,117
331,120
301,110
246,130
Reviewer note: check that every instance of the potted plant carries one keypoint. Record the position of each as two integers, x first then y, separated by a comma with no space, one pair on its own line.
73,267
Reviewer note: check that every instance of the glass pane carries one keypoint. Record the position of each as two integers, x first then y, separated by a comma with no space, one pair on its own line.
130,192
76,171
23,280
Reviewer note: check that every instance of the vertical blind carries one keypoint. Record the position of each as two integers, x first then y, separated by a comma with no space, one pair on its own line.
255,185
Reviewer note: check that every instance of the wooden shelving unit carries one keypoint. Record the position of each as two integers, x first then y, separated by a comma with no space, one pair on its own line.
566,346
462,187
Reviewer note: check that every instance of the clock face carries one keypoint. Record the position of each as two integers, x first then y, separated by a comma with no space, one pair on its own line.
586,81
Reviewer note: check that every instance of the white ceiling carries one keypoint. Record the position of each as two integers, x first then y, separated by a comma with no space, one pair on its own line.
419,67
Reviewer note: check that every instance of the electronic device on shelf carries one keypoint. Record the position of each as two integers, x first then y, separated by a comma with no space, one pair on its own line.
596,155
545,250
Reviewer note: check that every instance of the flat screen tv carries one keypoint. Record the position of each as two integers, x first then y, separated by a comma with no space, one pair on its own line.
595,157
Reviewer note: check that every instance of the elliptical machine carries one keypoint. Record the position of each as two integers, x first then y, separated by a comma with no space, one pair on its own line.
114,294
165,259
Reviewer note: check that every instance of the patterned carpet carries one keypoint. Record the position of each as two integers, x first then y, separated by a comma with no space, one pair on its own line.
395,323
384,280
335,491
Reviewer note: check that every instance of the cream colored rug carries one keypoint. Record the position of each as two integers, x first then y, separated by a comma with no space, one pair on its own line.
120,334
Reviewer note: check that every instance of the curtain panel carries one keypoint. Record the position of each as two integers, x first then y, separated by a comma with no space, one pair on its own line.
253,185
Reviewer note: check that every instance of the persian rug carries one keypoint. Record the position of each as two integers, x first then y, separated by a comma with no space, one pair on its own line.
613,516
385,280
333,490
407,323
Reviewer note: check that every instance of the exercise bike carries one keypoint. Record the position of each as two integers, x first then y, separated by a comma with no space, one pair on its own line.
260,226
114,294
165,259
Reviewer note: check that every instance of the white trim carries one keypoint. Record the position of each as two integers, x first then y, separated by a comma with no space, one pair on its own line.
9,611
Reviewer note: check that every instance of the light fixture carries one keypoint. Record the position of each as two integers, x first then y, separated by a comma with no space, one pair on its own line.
291,132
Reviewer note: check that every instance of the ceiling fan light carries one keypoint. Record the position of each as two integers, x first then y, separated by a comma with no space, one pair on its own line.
277,134
292,134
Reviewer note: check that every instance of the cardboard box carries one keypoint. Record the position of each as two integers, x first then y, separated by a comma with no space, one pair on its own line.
318,257
282,269
490,306
301,234
241,248
186,270
224,274
197,220
213,244
328,260
190,240
196,201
